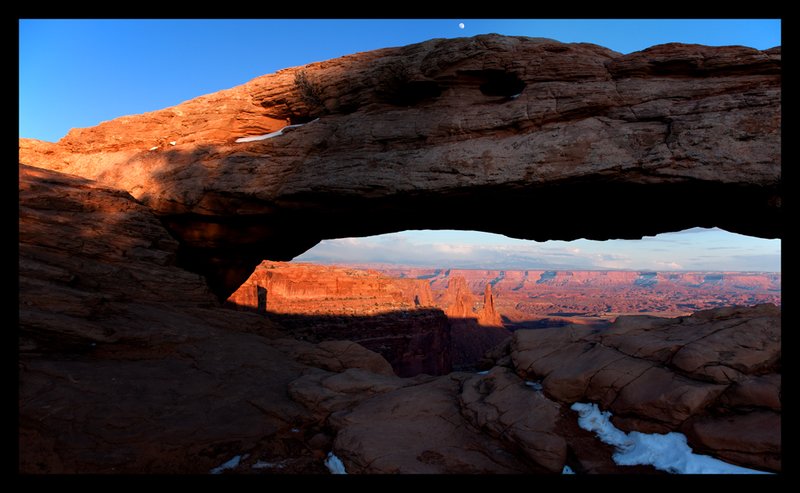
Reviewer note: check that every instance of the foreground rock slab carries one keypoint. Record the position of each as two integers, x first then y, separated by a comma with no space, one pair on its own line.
704,375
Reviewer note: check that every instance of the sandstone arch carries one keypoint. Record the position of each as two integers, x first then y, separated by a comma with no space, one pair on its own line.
596,145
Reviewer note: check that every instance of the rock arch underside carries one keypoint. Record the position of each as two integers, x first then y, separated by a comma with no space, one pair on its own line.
131,232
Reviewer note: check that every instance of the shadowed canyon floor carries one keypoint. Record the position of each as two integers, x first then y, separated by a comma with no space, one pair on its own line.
129,362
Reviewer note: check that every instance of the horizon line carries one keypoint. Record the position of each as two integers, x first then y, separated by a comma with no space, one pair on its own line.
407,266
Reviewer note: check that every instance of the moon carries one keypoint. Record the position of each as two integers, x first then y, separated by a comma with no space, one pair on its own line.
461,25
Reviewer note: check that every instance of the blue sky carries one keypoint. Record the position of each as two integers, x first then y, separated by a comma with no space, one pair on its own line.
77,73
695,249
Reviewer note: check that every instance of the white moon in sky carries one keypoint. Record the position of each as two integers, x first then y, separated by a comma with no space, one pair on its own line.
461,25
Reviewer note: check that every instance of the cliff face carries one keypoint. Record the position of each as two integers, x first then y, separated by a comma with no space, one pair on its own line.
393,317
541,298
424,136
488,315
473,333
308,289
128,363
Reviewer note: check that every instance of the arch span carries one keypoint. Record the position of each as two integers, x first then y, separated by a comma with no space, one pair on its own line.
594,144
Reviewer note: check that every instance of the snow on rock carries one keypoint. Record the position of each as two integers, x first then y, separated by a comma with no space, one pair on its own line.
231,464
334,464
483,372
254,138
266,465
567,470
537,386
276,133
668,452
153,148
172,142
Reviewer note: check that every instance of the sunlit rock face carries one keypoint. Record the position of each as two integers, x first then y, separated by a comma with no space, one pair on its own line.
397,318
129,363
527,137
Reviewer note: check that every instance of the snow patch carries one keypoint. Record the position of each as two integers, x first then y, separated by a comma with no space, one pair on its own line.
295,430
537,386
483,372
567,470
254,138
334,464
153,148
172,142
668,452
267,465
231,464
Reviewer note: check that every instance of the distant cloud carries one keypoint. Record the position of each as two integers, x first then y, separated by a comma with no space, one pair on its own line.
697,249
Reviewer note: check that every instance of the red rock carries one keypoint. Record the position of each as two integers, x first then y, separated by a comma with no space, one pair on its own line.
418,429
755,391
540,299
603,128
500,403
308,289
633,369
488,316
664,396
753,438
394,317
458,299
127,363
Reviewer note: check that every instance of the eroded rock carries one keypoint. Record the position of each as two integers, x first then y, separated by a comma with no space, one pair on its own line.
700,373
430,136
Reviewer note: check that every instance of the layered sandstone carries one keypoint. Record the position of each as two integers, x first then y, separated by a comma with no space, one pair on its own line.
704,375
308,289
128,363
394,317
121,371
425,136
540,298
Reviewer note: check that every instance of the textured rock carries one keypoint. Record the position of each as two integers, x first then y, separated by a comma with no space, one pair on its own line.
541,299
470,338
394,317
488,316
752,438
308,289
336,356
500,403
458,299
418,429
729,373
127,363
424,136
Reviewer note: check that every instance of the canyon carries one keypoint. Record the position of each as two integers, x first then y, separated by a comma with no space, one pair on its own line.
397,318
542,298
427,320
143,347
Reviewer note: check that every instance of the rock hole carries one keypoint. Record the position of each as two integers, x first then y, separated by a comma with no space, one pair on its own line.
494,82
414,92
501,83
